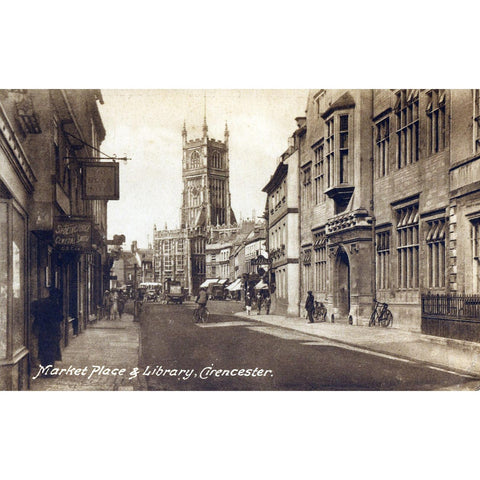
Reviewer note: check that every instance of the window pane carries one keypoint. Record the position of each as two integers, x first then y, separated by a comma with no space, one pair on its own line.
3,278
18,281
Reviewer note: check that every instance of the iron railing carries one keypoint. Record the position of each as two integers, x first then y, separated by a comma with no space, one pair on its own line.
451,316
454,307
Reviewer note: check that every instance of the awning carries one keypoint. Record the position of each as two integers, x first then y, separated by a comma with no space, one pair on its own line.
261,285
223,281
236,285
208,282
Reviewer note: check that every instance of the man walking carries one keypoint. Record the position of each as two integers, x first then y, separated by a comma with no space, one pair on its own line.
268,303
201,300
259,303
248,303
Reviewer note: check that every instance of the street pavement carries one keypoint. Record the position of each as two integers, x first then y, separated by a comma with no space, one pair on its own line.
445,353
112,345
180,355
168,350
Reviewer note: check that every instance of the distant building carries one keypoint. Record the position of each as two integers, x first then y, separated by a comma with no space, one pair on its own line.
282,214
206,212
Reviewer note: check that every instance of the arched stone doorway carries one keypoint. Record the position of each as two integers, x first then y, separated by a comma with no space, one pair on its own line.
342,286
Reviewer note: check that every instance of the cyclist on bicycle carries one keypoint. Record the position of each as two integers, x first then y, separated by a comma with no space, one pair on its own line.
201,301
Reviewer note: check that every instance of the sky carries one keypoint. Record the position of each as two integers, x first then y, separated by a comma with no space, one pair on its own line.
146,126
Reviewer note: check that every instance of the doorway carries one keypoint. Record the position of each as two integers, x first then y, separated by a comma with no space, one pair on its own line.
342,285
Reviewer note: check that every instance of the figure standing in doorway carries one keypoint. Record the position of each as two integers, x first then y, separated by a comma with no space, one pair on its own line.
48,316
310,306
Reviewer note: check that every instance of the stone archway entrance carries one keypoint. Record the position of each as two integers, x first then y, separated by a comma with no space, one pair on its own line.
341,296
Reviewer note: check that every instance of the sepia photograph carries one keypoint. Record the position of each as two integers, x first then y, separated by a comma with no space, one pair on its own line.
239,240
192,240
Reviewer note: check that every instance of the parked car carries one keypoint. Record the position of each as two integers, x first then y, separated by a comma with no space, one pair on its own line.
174,292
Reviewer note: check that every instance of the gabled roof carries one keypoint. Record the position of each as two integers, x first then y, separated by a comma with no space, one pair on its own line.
276,178
345,101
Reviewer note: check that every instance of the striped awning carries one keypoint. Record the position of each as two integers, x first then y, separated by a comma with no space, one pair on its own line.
208,282
236,285
261,285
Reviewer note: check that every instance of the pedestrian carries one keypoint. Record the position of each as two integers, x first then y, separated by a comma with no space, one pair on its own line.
114,305
248,303
259,302
310,306
268,303
121,303
48,316
201,301
106,305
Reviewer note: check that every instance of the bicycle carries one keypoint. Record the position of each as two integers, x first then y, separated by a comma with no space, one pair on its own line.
381,315
320,312
201,314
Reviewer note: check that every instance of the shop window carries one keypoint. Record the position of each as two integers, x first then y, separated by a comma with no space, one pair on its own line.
407,249
12,278
435,239
4,283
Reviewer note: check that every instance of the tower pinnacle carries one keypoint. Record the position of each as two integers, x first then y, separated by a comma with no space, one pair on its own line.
205,127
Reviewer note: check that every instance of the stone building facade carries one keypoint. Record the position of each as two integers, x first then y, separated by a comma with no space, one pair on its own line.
390,202
44,137
206,212
282,236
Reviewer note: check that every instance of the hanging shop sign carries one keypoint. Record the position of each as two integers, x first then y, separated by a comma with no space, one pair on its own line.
72,235
100,181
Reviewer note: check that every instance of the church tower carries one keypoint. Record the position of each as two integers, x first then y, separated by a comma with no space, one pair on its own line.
206,181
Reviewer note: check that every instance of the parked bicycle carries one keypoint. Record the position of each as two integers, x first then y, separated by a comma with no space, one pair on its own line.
381,315
201,314
320,312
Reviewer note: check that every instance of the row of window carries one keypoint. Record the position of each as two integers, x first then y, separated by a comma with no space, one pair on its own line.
407,232
172,246
278,197
331,160
278,236
331,157
319,259
406,129
195,161
173,262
